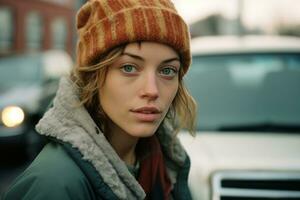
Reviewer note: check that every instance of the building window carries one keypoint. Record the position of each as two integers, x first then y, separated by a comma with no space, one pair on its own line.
34,31
7,29
59,33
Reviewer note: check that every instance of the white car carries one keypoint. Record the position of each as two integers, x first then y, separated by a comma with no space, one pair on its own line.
247,144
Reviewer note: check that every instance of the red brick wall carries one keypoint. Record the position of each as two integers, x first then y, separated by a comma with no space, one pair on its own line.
49,11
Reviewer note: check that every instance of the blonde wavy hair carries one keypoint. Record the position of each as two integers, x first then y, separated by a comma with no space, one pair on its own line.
181,114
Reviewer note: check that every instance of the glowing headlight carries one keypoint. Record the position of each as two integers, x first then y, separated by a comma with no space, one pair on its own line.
12,116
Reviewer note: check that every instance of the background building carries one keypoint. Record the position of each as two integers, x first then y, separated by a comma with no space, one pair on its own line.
37,25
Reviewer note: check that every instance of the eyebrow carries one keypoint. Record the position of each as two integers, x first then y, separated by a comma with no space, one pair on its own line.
142,59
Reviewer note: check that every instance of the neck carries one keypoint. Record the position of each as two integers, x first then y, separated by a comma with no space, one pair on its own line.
124,145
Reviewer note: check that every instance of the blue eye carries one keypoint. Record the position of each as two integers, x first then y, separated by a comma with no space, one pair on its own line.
168,71
128,68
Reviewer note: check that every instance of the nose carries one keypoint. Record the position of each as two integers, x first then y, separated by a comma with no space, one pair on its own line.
149,87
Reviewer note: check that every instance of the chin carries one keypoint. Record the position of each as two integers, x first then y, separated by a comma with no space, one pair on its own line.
142,131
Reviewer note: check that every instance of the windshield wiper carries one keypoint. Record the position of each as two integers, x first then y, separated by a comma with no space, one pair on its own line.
263,127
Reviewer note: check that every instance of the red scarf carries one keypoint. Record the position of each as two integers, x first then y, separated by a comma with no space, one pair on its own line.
153,176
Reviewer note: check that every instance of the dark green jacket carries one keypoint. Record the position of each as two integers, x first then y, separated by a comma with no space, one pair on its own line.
79,163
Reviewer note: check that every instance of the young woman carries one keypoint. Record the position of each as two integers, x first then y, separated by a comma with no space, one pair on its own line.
113,124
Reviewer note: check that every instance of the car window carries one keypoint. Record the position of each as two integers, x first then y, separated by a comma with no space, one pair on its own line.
16,71
233,90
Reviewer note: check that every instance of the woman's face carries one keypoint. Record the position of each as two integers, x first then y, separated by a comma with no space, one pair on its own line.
139,88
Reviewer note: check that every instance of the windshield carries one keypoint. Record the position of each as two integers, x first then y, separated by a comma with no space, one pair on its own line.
240,90
17,71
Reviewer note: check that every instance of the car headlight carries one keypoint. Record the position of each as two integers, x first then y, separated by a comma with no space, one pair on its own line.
12,116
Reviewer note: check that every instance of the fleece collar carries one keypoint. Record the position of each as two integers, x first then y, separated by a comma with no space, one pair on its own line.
69,122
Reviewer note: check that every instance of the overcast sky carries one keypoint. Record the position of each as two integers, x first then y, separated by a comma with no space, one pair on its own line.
255,13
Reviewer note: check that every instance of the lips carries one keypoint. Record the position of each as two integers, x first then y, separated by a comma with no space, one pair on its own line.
147,110
147,114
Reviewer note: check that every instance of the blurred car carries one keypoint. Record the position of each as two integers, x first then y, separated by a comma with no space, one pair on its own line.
27,85
247,144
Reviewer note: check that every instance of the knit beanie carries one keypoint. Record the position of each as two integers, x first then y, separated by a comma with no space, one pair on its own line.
105,24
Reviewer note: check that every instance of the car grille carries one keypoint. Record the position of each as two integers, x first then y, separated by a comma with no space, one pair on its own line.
254,185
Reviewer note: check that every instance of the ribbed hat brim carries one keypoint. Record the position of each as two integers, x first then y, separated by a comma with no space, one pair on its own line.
104,31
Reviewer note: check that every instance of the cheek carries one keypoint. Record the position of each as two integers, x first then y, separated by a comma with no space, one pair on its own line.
115,96
109,96
170,92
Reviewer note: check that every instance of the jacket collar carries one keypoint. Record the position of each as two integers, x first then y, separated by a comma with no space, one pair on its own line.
69,122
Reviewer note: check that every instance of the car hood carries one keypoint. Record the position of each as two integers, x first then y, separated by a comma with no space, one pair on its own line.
26,97
211,151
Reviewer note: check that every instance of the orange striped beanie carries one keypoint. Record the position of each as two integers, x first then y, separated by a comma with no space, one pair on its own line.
105,24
